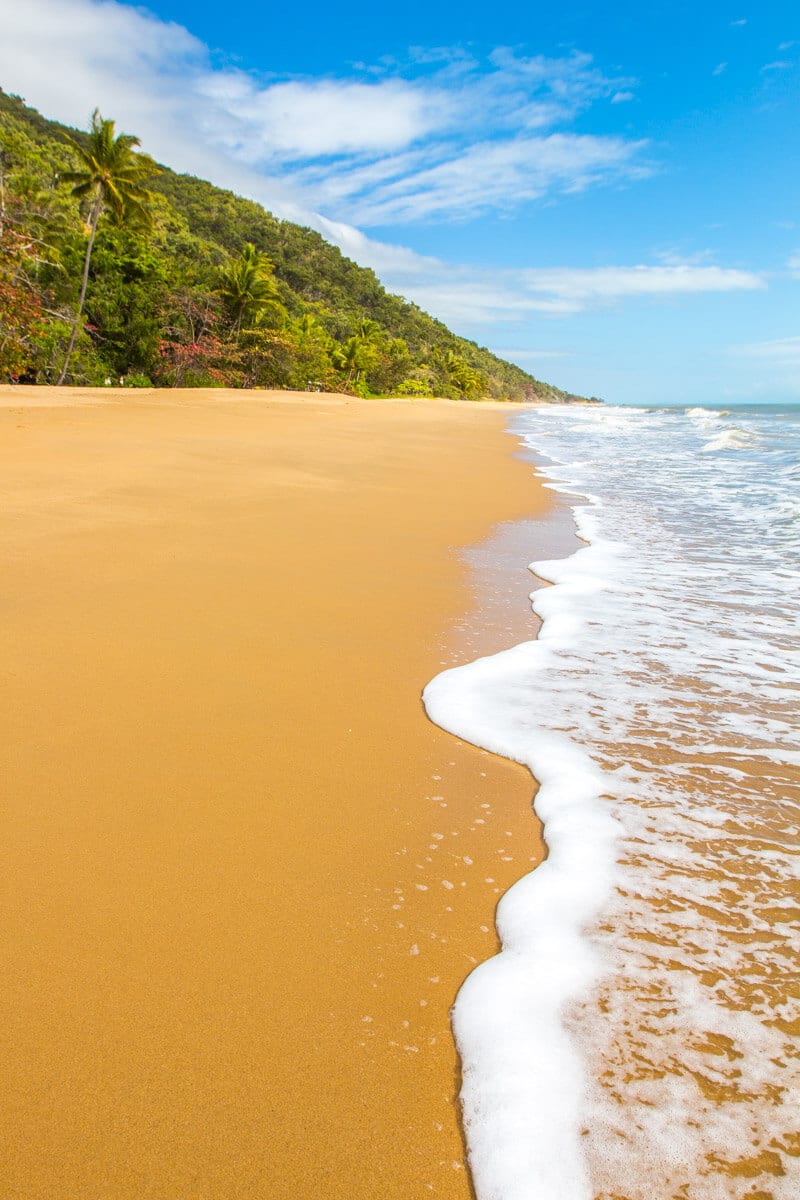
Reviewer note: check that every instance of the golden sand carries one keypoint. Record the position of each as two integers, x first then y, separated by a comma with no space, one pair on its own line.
229,945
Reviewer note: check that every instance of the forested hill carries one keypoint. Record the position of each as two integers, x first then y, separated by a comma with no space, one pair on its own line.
194,286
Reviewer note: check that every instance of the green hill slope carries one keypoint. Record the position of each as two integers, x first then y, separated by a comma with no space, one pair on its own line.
163,307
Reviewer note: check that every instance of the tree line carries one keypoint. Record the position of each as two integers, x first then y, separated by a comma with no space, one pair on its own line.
114,268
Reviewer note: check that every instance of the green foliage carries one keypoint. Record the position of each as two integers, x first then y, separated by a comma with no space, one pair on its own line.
183,283
20,304
350,358
413,387
109,176
312,362
249,292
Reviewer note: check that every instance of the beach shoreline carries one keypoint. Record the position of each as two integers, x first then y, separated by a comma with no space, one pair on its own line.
36,395
249,875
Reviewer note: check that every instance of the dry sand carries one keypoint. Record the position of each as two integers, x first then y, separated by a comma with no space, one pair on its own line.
229,950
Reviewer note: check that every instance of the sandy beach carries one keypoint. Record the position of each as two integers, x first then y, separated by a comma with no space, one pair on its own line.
244,875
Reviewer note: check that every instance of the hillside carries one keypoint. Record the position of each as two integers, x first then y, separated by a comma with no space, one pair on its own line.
169,305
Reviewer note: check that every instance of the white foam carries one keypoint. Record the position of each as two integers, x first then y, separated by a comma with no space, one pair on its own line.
658,711
732,439
522,1077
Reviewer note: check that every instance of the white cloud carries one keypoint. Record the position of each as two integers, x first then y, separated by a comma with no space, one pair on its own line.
454,139
469,297
67,57
70,56
383,257
720,68
157,78
622,97
438,136
498,175
587,286
323,118
793,263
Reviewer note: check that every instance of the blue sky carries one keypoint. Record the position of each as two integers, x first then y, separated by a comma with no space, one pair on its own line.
607,195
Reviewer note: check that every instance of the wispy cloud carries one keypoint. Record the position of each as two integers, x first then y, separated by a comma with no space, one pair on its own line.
462,138
470,297
585,287
720,68
467,298
438,136
496,175
782,352
441,134
324,118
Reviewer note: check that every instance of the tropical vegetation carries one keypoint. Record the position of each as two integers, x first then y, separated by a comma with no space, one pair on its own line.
113,268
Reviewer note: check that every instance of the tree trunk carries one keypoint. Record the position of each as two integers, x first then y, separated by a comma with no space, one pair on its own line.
2,191
97,207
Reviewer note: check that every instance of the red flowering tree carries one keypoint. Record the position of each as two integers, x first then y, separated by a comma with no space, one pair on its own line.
193,353
21,315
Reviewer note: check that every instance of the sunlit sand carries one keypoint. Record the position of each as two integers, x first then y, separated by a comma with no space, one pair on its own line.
245,876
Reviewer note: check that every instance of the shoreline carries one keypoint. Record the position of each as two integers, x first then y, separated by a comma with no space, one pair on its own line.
581,1048
50,396
35,395
249,872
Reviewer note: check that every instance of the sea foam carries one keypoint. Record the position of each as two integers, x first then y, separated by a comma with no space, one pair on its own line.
635,1037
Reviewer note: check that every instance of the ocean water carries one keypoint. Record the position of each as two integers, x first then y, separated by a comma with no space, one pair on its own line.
637,1037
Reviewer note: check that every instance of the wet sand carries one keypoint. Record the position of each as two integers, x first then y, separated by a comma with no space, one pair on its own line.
243,875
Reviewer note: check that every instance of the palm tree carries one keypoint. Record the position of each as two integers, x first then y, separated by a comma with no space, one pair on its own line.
248,289
464,377
368,331
110,176
307,325
349,357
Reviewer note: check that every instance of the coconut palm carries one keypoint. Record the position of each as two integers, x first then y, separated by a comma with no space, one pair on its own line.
307,325
249,290
349,357
451,362
368,331
461,375
110,177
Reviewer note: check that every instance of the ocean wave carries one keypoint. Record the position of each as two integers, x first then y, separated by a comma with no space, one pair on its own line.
634,1035
706,418
523,1076
732,439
